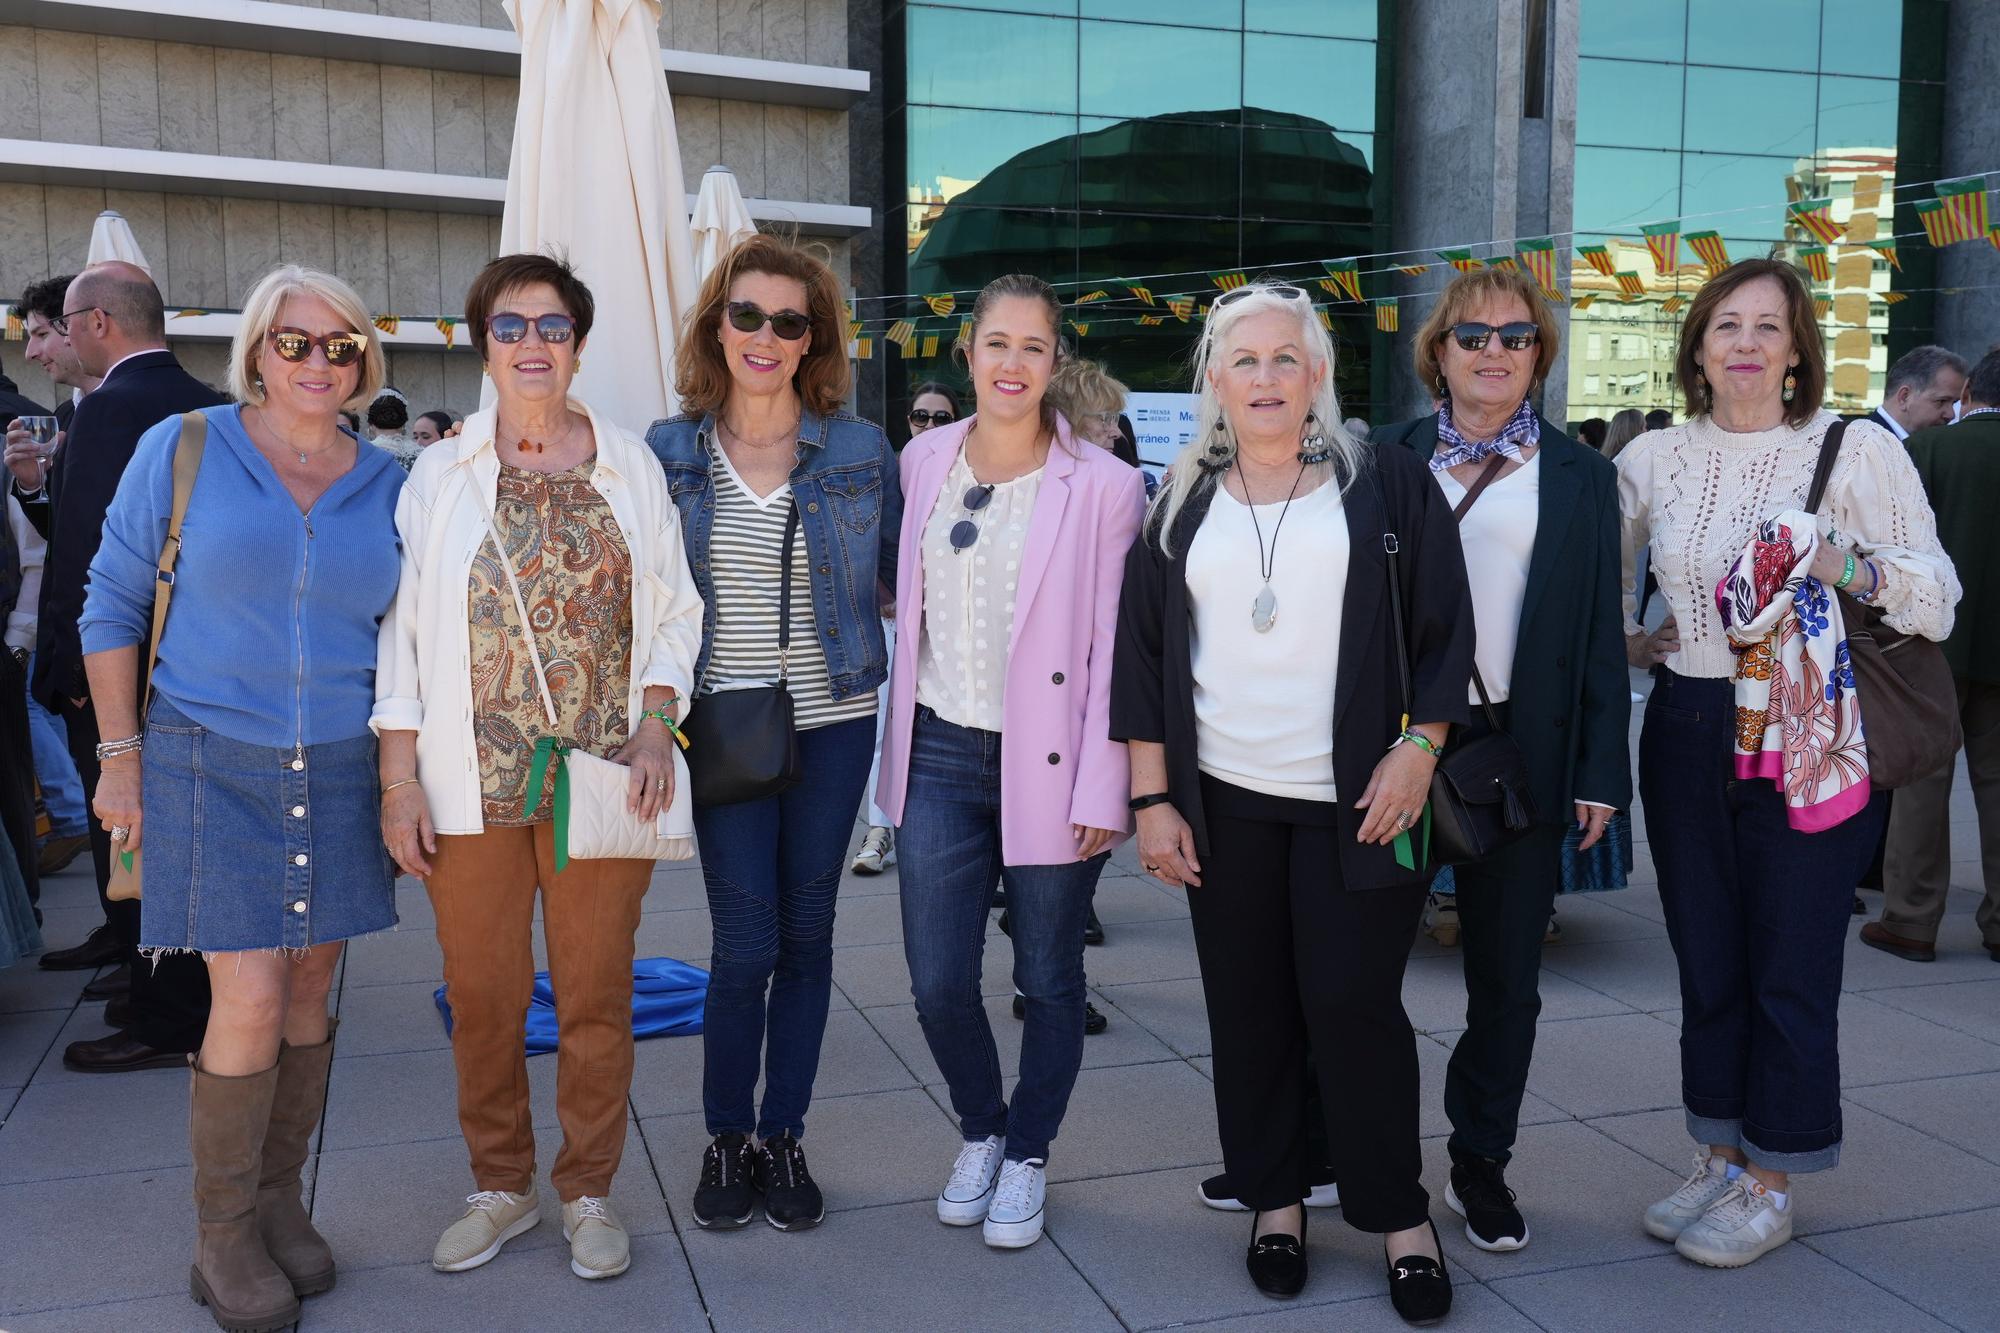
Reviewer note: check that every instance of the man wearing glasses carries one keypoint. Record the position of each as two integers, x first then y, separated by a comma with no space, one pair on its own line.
115,321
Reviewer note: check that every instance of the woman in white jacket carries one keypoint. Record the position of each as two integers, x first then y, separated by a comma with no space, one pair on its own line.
594,541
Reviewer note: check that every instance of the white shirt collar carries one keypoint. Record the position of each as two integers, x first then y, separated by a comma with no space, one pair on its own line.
1895,426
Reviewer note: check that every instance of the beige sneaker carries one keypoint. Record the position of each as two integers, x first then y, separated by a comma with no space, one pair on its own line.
598,1245
494,1218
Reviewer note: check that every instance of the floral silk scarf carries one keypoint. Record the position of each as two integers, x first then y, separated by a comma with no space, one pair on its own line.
1798,719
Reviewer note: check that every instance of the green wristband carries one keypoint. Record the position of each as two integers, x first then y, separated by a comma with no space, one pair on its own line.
1847,573
1422,742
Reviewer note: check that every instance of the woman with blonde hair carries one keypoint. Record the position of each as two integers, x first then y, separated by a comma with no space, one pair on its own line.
250,777
1090,399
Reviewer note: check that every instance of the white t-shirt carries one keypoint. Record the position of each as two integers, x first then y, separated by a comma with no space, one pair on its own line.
1263,702
1498,535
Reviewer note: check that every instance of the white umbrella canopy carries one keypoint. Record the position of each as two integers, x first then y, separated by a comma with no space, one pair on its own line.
111,238
596,176
721,219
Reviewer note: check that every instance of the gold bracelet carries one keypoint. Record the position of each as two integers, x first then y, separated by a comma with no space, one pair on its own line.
392,786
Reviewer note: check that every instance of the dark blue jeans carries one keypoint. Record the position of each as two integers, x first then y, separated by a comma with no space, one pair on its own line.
1758,915
948,849
772,868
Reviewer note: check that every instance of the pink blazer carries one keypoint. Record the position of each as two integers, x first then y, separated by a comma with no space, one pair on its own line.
1059,765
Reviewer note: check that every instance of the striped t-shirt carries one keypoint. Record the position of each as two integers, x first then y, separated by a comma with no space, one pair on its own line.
745,572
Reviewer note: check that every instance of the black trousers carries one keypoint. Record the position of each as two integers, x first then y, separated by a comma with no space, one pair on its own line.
1290,959
169,994
17,773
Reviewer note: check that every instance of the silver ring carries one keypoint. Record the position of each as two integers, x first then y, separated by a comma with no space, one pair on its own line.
1403,820
120,832
659,784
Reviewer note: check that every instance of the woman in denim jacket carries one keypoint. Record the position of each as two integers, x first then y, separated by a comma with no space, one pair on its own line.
762,373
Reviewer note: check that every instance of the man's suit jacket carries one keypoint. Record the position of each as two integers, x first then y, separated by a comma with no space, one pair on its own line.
139,394
1881,418
1960,465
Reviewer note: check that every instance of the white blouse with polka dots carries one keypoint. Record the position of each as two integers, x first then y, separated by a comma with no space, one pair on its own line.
969,598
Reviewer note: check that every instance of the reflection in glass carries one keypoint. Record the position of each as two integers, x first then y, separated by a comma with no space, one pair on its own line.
1626,104
1737,196
1638,29
1302,171
950,149
1750,111
1769,34
1317,78
1619,188
1857,113
968,246
1126,69
1861,37
1188,13
1316,18
959,58
1175,166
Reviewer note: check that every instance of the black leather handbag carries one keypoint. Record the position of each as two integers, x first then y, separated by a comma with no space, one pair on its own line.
743,745
1480,798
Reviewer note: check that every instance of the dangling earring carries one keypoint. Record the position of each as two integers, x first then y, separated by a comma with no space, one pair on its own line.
1791,386
1217,457
1707,393
1443,390
1313,448
576,363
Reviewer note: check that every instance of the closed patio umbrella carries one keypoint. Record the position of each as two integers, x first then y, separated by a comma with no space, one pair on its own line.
596,176
721,219
111,238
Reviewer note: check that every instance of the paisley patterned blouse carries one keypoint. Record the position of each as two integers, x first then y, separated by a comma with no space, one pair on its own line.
576,577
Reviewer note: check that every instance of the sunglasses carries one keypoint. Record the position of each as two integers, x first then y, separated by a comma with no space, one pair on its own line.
790,325
1284,290
295,345
965,532
509,327
61,322
920,417
1516,337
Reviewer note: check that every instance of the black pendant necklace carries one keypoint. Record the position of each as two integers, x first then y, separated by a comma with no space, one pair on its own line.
1264,609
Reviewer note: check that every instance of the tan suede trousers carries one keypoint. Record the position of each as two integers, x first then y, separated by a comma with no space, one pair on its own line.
483,887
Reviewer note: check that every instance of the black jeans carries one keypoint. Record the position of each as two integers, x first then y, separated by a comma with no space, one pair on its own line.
1288,954
1758,913
17,773
169,994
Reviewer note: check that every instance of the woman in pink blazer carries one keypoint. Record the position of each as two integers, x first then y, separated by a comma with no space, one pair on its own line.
1020,532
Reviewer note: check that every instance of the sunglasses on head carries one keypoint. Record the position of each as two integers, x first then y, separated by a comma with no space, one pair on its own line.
1285,290
295,345
508,327
746,317
965,532
1516,337
921,417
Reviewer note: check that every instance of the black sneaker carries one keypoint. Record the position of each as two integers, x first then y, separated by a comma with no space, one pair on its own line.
1478,1193
727,1195
792,1201
1093,929
1093,1021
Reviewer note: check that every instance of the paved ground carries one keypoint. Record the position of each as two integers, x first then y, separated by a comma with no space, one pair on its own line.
96,1219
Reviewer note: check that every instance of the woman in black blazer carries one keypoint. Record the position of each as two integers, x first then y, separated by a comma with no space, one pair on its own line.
1539,528
1276,775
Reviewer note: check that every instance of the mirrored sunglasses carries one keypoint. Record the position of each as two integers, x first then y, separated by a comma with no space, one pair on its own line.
508,327
1515,337
295,345
790,325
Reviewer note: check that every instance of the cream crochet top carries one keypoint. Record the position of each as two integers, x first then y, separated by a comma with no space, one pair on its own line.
1696,494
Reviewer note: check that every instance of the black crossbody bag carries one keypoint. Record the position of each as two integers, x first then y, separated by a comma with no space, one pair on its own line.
743,745
1480,797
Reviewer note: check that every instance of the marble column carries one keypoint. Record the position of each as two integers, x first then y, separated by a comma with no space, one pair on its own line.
1968,322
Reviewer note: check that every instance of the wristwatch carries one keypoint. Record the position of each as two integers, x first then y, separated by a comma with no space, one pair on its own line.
21,656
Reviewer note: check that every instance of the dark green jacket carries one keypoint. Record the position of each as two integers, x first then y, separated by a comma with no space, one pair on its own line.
1571,700
1960,465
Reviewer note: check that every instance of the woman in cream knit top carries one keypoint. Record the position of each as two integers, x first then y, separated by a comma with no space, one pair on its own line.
1698,492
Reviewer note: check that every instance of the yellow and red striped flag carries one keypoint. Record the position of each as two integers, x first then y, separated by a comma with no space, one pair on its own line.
1182,306
1386,317
1413,270
446,325
1894,298
387,323
1816,216
1148,321
1461,260
193,311
16,330
1325,317
941,303
1816,262
1630,283
1965,207
903,333
853,329
1583,302
1822,307
1343,276
930,345
1081,329
1143,293
1099,295
864,349
1672,305
1887,250
1708,245
909,352
1663,241
1930,212
965,330
1229,280
1599,258
1993,235
1539,257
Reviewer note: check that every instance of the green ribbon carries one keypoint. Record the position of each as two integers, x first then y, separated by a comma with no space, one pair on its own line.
125,859
1406,855
550,751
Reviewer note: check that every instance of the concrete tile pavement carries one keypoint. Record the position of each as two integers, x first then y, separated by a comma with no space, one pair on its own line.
94,1184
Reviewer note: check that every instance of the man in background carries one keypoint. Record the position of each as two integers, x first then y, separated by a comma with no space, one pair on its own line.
1920,390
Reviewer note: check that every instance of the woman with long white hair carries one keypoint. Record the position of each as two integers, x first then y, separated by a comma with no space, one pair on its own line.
1284,718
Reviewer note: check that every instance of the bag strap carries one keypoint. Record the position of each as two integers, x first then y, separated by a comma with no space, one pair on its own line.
785,596
1823,471
520,605
1487,476
187,462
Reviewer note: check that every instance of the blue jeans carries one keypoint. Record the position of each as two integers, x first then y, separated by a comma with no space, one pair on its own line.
1758,914
948,849
772,868
62,790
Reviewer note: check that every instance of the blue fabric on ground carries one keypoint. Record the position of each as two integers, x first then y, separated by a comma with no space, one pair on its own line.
667,997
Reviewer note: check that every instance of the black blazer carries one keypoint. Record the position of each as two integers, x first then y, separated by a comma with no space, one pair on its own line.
140,393
1571,699
1152,675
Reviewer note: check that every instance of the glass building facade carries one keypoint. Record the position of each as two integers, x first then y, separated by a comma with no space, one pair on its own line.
1720,114
1095,140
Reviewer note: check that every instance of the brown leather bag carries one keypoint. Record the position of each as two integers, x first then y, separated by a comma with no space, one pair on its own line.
1909,701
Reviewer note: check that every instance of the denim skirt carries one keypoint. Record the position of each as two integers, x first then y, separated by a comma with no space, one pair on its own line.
249,847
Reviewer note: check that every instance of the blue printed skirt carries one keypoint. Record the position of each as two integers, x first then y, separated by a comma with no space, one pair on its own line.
247,847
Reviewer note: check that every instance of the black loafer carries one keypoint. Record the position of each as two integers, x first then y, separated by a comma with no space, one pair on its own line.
111,985
1419,1286
98,948
1277,1262
119,1013
119,1053
1093,1022
1093,929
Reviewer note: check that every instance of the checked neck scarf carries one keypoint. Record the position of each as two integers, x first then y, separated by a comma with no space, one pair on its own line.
1523,430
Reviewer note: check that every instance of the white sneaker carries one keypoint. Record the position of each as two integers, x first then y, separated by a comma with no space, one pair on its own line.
1015,1219
878,852
1740,1227
1672,1215
974,1176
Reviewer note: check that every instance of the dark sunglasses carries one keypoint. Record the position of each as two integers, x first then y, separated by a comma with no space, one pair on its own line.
790,325
1284,290
1516,337
965,532
508,327
61,322
921,417
295,345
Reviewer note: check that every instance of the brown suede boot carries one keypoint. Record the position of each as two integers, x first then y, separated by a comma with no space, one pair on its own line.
233,1274
288,1232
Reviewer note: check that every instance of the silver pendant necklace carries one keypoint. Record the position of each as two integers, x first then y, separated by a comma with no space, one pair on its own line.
1264,608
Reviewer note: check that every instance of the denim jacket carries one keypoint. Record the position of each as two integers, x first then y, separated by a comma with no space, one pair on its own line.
850,497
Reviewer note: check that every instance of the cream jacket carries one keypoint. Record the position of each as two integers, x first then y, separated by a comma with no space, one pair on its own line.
423,674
